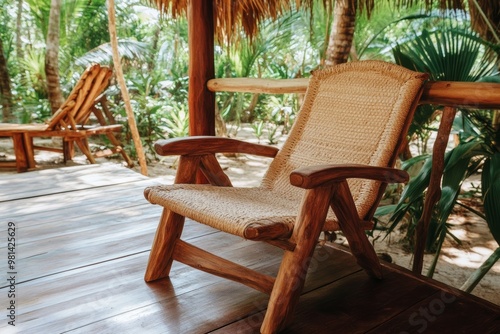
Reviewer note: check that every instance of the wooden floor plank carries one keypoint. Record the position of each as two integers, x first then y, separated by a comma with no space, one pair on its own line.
127,235
357,302
83,247
50,181
56,207
443,312
78,297
192,301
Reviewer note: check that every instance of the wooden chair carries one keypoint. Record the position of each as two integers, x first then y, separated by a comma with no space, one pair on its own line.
70,122
351,124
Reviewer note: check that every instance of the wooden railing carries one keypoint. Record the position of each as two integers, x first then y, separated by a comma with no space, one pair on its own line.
450,94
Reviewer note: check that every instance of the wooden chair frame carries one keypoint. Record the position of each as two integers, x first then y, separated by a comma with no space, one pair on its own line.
70,122
325,187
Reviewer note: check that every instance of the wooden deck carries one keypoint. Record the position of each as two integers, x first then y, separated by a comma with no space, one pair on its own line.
82,242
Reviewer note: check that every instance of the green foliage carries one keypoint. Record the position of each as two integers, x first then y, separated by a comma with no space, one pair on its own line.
447,52
258,128
280,50
39,11
177,121
89,28
388,25
129,50
490,184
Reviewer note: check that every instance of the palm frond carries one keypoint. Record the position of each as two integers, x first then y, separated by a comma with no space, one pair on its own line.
447,53
128,49
490,183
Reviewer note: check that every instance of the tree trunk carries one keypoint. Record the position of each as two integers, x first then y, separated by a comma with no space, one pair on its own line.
19,46
341,36
154,47
52,57
5,91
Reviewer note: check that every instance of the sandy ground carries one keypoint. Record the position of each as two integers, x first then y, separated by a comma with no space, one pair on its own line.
456,263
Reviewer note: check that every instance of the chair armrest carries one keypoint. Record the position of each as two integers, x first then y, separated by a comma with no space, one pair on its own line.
201,145
314,176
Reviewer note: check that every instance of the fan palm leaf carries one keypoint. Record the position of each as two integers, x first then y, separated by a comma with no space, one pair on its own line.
128,48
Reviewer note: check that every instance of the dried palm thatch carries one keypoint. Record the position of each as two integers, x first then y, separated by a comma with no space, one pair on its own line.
236,15
245,15
486,19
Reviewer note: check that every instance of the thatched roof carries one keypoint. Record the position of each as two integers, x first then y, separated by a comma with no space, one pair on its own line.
491,9
235,15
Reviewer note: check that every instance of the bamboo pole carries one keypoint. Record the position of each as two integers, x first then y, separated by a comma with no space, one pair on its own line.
123,87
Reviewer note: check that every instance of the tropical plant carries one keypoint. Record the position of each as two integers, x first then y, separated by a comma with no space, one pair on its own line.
452,53
258,127
177,121
129,49
490,184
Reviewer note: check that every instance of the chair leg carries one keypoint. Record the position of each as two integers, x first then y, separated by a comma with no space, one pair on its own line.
112,138
345,210
30,151
161,257
68,150
83,145
293,269
20,152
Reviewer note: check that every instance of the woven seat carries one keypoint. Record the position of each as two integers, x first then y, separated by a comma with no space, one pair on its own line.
330,174
246,212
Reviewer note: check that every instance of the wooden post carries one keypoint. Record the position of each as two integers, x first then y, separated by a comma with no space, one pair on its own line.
434,190
123,88
201,101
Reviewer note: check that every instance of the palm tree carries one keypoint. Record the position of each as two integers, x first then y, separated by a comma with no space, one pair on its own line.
19,46
342,34
5,91
485,17
52,57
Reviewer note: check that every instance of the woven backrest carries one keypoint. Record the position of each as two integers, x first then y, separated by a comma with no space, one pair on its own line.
77,107
354,113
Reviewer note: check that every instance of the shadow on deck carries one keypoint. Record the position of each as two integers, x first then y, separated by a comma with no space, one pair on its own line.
82,242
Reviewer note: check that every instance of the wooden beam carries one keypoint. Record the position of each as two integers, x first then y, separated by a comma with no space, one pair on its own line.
255,85
454,94
481,95
201,101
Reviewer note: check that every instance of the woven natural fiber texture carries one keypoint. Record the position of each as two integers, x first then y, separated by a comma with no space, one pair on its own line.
353,113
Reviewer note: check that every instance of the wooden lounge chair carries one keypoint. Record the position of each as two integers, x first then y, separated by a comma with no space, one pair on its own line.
350,127
71,122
